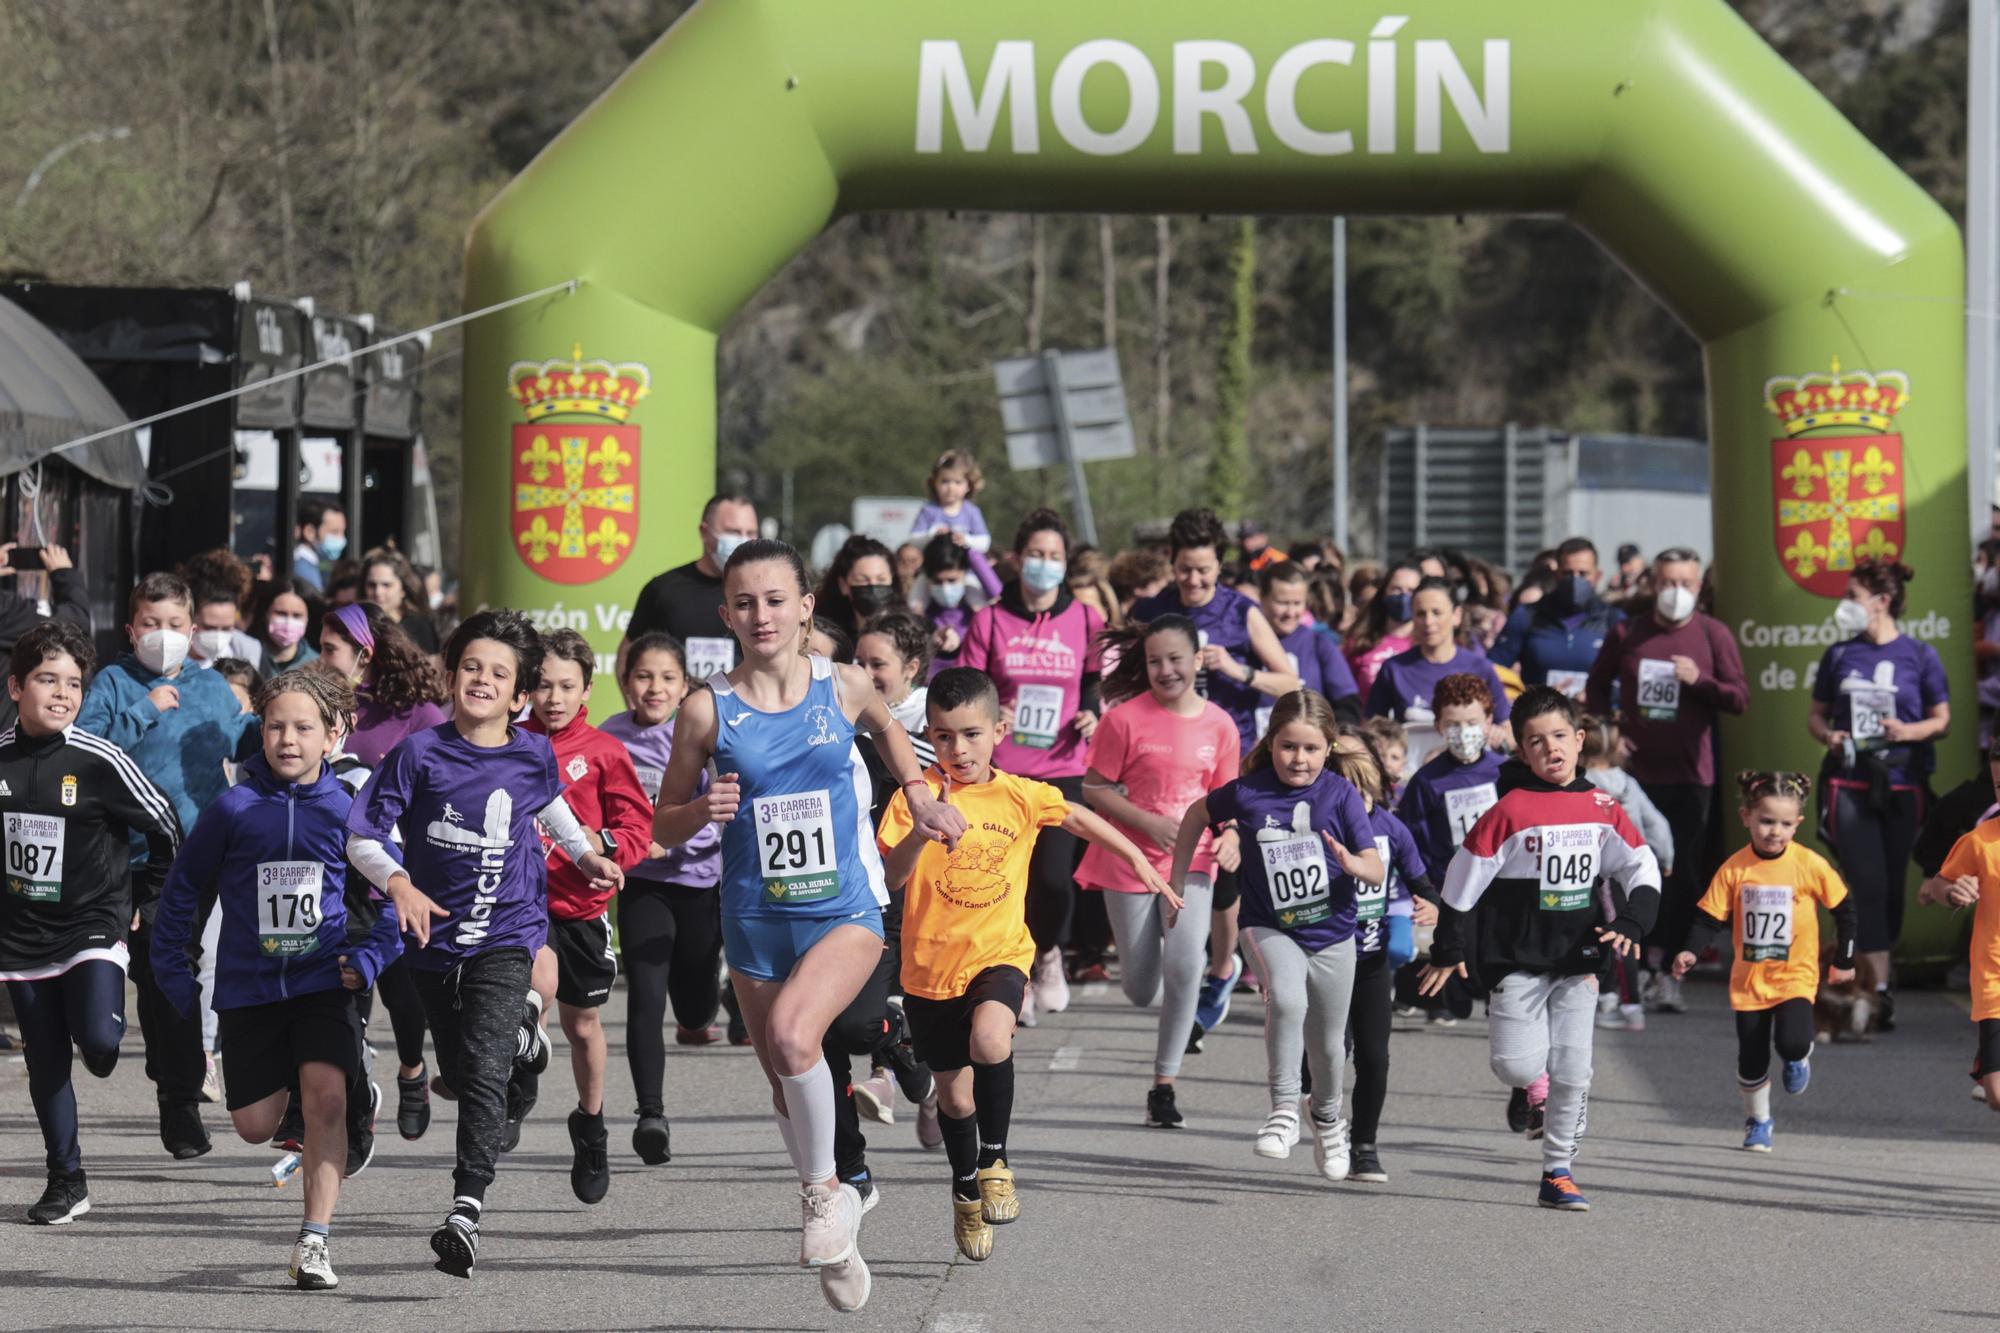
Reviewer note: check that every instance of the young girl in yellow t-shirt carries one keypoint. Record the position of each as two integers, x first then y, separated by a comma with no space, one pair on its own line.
1767,896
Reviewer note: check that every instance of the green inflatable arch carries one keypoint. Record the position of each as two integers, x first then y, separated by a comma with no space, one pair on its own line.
1825,286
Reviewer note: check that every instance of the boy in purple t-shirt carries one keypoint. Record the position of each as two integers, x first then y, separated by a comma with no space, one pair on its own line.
470,887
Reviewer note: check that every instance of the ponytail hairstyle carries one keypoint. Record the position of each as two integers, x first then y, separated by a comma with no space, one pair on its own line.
1127,680
907,634
760,549
1307,706
1758,784
1362,765
1885,578
1600,741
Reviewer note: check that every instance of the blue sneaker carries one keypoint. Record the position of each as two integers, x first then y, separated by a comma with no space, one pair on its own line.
1213,1005
1757,1135
1798,1073
1559,1191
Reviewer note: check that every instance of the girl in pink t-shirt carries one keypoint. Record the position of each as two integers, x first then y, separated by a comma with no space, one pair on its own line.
1150,759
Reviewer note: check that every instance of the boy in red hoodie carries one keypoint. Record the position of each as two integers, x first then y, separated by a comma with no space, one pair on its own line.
603,790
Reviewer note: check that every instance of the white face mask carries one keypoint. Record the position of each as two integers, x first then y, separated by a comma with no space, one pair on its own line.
1676,602
1465,741
213,643
161,650
1850,617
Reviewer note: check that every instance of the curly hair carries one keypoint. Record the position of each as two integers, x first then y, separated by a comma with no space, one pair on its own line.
907,634
1462,688
399,675
964,464
1193,528
51,638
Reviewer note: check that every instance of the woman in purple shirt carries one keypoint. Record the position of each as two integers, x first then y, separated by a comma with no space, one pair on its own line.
1407,683
1879,700
397,689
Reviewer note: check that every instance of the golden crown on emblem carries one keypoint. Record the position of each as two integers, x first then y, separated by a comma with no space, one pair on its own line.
1837,398
576,387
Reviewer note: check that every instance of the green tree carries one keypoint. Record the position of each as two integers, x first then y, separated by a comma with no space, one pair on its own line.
1228,480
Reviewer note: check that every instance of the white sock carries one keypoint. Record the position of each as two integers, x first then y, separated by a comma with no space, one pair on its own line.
1757,1100
809,1103
791,1139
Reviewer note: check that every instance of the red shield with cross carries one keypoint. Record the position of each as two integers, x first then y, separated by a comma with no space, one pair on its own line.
1837,498
576,482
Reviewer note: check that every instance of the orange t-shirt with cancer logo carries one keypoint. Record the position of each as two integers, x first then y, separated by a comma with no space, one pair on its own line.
1978,854
1772,908
965,910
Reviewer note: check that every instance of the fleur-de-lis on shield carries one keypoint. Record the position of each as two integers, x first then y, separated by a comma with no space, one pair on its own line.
539,539
608,538
540,458
608,458
1876,547
1874,471
1802,473
1805,555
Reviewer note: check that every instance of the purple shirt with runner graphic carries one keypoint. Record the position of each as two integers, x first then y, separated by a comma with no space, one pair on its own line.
1291,879
1862,682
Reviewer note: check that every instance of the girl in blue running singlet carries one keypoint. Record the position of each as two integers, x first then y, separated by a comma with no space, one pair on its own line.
802,888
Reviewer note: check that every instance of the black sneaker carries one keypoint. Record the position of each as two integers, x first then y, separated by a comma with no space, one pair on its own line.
589,1173
361,1132
739,1035
1517,1110
66,1199
531,1046
456,1243
413,1105
1365,1165
523,1090
652,1140
1160,1110
1537,1114
1195,1034
1886,1005
181,1131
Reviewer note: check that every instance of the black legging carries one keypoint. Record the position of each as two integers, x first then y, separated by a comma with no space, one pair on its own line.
1052,875
1684,805
174,1059
1368,1015
1791,1021
860,1030
85,1005
670,936
397,990
1872,849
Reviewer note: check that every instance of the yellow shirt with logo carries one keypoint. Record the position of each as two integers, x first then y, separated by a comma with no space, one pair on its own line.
965,910
1772,908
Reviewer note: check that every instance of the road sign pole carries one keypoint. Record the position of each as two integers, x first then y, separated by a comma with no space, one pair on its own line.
1340,385
1982,292
1086,521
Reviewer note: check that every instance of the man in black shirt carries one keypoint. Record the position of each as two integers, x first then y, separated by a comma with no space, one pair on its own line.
686,601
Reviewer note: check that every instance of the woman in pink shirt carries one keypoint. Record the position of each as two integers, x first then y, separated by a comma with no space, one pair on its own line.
1150,760
1385,629
1035,642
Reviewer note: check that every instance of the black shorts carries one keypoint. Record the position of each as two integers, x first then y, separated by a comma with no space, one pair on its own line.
941,1030
1986,1055
1228,888
586,964
265,1044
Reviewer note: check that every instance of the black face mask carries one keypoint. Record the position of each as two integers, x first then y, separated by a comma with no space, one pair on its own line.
872,599
1398,606
1571,594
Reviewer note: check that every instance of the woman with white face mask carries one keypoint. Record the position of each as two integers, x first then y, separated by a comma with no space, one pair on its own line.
1675,670
1879,702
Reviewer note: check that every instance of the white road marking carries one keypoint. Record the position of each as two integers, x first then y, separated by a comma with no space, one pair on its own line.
957,1323
1065,1059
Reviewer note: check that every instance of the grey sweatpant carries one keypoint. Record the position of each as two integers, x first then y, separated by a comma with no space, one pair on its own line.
1543,1024
1158,964
1305,1013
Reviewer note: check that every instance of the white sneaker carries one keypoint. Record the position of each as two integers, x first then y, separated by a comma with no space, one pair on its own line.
830,1219
1279,1135
1028,1016
875,1098
1607,1012
211,1081
1632,1017
311,1267
1051,985
846,1284
1330,1150
1669,1000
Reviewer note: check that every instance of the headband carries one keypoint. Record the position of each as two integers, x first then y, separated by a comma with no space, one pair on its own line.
355,621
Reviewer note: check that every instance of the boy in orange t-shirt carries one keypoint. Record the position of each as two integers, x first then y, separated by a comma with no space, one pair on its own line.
966,946
1771,893
1972,867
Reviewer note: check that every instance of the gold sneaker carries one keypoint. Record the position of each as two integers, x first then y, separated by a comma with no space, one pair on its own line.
969,1229
997,1200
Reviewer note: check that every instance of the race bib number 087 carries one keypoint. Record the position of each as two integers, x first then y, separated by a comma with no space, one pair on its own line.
35,856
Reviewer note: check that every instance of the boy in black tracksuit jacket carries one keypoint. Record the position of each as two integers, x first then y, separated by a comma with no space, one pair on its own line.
1561,882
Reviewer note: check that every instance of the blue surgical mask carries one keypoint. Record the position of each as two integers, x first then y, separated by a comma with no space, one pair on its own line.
948,595
1043,575
333,546
1398,605
726,544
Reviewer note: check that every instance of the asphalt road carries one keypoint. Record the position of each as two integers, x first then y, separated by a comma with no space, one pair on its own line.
1877,1210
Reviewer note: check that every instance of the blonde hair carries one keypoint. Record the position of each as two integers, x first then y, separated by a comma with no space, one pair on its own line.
959,461
1758,784
1600,741
329,693
1364,767
1307,706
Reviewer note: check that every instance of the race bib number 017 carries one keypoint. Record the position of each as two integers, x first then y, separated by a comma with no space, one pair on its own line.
1038,716
1659,690
795,848
35,857
1567,867
288,907
1767,922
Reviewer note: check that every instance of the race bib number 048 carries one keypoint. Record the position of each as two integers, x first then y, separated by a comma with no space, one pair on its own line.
795,848
35,857
1568,867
